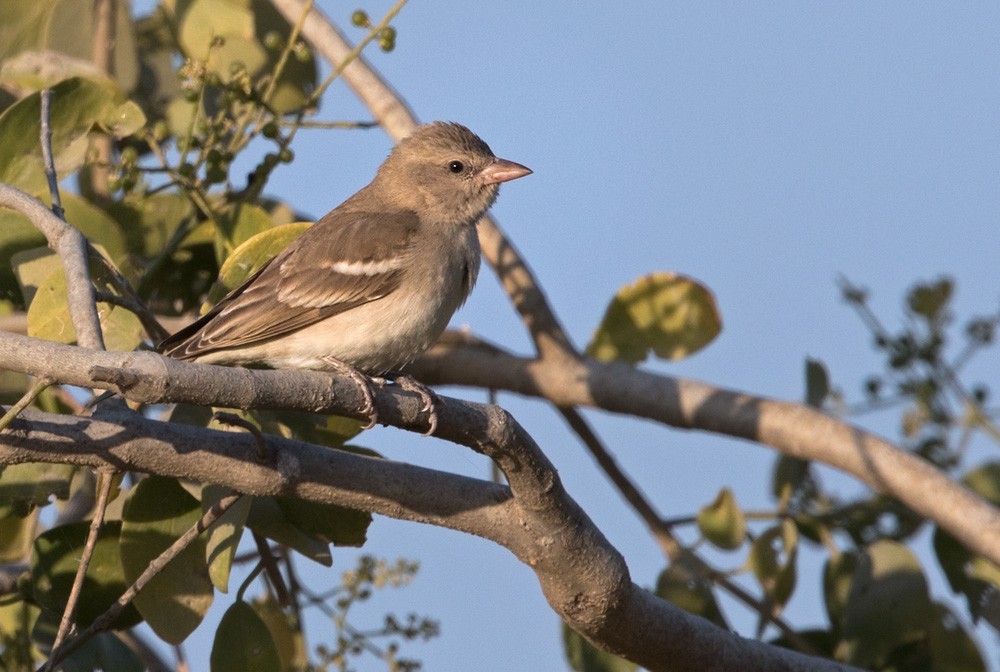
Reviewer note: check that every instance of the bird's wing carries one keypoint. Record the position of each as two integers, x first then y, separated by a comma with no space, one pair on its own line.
344,260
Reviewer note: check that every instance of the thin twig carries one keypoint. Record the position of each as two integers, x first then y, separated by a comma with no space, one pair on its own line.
45,137
154,568
145,316
40,385
271,570
106,482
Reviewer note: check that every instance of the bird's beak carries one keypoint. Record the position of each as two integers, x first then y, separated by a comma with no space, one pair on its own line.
502,170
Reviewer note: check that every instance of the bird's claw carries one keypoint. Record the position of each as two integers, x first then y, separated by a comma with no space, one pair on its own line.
364,383
427,395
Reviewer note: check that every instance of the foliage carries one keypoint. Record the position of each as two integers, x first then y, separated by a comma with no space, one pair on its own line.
203,88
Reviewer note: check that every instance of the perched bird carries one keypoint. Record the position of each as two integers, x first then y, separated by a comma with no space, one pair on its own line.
373,283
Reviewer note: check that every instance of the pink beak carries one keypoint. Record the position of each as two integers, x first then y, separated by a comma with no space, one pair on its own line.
502,170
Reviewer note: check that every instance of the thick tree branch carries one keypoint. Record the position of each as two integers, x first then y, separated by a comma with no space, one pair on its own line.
583,577
398,120
791,428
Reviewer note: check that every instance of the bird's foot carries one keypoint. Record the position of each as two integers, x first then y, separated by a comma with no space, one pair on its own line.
363,382
427,395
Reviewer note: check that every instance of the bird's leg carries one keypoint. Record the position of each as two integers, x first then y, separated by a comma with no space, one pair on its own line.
362,381
427,395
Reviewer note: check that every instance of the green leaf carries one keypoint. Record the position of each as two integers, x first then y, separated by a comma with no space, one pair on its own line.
928,300
329,523
77,106
66,26
243,643
54,562
690,592
772,559
969,574
17,234
888,604
672,315
952,649
175,600
722,522
838,574
17,618
298,79
16,534
817,383
266,518
985,481
33,483
794,475
585,657
97,225
206,20
223,537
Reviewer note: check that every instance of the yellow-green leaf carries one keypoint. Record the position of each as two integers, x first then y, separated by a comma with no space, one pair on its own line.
48,312
224,535
221,33
253,254
722,522
288,638
671,315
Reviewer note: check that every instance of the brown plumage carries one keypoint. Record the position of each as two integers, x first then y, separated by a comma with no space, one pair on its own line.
375,281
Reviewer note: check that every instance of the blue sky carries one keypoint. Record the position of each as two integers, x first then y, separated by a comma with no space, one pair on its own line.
763,148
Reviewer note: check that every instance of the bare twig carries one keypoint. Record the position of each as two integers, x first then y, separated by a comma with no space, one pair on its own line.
155,567
47,161
270,566
40,386
135,306
105,484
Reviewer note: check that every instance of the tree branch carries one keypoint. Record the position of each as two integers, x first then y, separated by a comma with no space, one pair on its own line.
582,576
71,246
791,428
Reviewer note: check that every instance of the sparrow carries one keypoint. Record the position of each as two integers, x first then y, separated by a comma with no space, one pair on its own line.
374,282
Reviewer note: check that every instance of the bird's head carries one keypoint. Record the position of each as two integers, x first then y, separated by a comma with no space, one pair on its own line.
446,172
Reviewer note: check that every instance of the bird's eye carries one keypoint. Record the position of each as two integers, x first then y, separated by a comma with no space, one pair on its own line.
456,166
